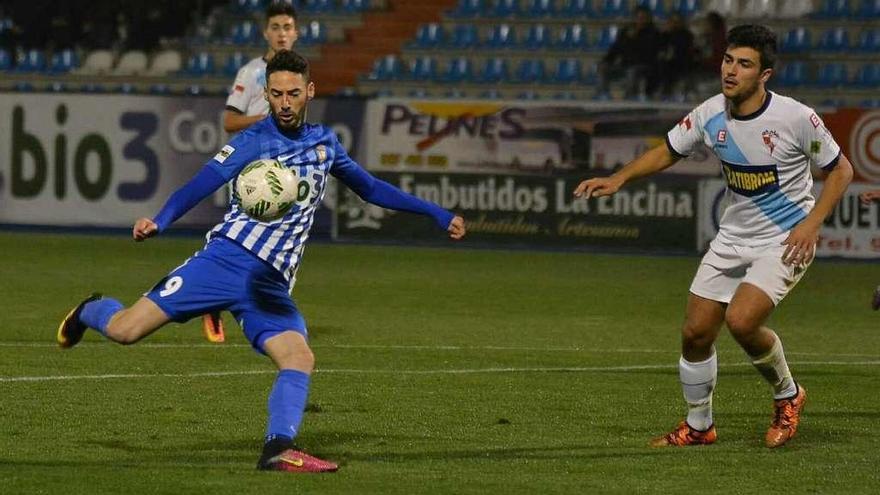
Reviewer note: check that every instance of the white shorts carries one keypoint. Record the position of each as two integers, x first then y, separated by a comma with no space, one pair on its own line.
726,266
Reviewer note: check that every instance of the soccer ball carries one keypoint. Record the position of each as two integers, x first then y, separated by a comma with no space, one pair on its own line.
266,189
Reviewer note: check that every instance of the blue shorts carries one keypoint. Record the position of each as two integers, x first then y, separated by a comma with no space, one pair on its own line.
226,276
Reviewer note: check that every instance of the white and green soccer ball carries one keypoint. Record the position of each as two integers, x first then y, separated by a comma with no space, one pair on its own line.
266,189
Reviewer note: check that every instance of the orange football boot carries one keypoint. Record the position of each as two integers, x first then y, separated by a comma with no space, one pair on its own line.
683,435
786,419
212,327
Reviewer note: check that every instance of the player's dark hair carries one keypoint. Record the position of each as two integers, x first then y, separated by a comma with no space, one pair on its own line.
290,61
760,38
280,8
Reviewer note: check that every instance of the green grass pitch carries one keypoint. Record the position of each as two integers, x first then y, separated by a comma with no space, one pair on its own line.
438,371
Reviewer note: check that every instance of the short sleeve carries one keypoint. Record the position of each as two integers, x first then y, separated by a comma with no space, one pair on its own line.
816,140
239,94
687,135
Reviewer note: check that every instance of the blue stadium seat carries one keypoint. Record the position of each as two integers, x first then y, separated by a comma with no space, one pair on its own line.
387,68
419,93
429,36
502,36
57,87
573,37
248,6
869,41
870,103
494,70
505,8
614,8
467,9
870,9
125,88
194,90
5,60
536,9
793,74
796,40
459,69
834,40
655,6
591,76
455,93
868,76
32,60
354,6
686,8
832,75
245,33
317,6
23,87
607,36
92,88
491,94
199,64
423,69
312,33
538,37
530,71
832,9
568,71
464,36
234,62
528,95
63,62
577,8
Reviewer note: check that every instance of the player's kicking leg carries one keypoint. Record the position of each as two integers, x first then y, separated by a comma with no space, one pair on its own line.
212,327
112,320
71,329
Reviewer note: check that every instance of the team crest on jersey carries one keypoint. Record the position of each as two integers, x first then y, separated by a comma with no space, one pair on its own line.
770,137
321,152
224,153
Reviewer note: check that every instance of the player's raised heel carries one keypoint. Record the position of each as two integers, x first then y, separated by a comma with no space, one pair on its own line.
786,418
683,435
212,327
296,461
71,330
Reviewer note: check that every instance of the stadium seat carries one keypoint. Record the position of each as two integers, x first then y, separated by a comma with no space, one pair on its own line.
686,8
869,41
455,93
565,96
354,6
614,8
97,62
868,76
573,37
759,9
869,9
870,103
131,62
568,71
832,9
459,69
537,38
491,94
419,93
607,36
536,9
727,8
245,33
832,75
56,87
63,62
32,60
92,88
234,62
655,6
194,90
387,68
793,9
464,36
505,8
530,71
125,88
312,33
429,36
591,76
166,62
796,40
834,40
249,6
423,69
160,89
528,95
502,36
467,9
793,74
577,9
494,71
317,6
200,64
5,60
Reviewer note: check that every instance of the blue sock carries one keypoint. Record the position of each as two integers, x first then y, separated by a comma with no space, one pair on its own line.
97,314
287,402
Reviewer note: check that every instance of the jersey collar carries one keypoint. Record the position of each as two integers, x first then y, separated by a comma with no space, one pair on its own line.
757,113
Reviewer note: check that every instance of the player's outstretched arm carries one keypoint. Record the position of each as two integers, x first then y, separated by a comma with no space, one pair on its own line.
802,239
143,229
652,161
868,196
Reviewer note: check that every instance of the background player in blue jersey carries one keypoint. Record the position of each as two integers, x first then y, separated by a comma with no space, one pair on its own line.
768,232
247,267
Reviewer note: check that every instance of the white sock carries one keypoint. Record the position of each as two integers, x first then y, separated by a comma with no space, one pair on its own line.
698,382
774,369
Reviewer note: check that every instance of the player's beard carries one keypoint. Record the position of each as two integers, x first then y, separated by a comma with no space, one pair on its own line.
295,123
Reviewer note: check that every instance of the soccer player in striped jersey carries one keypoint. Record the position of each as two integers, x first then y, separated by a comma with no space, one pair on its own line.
247,266
767,236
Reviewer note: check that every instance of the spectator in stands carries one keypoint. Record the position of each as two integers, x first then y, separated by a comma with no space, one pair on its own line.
677,55
714,43
632,57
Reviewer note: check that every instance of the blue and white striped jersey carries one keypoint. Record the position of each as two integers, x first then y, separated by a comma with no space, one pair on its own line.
766,158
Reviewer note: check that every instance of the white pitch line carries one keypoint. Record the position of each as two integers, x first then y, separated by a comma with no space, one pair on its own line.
159,345
463,371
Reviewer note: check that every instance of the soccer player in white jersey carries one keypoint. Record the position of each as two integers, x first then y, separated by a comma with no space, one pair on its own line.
247,104
247,266
767,236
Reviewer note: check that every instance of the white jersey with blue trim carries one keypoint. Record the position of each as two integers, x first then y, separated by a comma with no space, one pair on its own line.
766,158
312,152
247,93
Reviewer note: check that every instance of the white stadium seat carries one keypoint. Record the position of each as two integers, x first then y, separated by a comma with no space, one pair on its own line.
166,62
131,62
